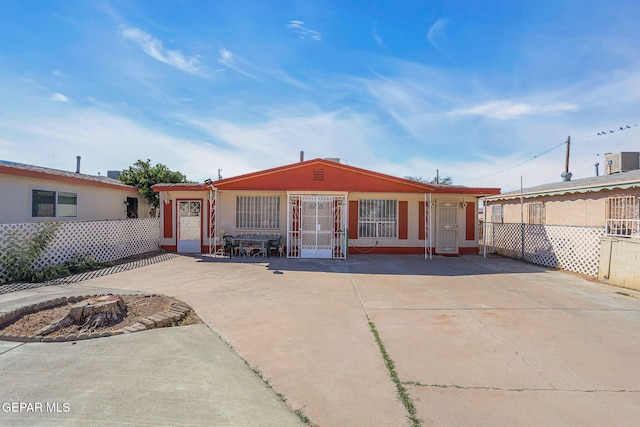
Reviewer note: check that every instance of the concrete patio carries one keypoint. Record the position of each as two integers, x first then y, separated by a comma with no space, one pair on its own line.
473,341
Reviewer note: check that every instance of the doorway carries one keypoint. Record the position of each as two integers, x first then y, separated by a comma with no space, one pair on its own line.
316,226
447,227
189,226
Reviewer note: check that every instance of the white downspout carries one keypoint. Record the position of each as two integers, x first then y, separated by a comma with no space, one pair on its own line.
424,220
430,222
484,227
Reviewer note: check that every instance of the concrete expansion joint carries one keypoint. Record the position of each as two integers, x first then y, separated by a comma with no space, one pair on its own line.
516,390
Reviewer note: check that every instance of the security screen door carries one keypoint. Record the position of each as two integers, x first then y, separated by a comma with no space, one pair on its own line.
316,226
447,227
189,226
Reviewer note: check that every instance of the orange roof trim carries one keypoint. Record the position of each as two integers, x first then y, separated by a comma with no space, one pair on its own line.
30,171
328,175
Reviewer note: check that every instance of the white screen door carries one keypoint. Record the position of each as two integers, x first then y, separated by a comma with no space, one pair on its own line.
447,227
189,226
316,226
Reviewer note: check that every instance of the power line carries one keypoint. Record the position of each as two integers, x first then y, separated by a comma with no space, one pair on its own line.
523,162
601,133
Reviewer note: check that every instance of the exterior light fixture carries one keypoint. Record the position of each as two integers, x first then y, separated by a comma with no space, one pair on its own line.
208,181
165,198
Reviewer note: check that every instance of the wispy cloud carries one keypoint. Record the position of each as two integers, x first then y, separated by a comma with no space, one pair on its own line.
248,69
436,34
278,140
229,60
506,110
155,49
58,97
378,39
304,32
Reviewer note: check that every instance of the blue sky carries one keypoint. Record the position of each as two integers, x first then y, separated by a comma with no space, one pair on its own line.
477,90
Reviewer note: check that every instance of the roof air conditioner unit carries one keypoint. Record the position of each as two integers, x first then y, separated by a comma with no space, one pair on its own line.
622,162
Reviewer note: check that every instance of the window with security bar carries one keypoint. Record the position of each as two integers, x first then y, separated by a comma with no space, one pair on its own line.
377,218
537,214
496,213
258,212
623,216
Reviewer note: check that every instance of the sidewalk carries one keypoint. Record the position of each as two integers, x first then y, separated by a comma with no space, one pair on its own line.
181,376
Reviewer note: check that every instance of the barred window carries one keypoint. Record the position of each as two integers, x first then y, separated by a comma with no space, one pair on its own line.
537,214
496,213
623,207
377,218
258,212
623,216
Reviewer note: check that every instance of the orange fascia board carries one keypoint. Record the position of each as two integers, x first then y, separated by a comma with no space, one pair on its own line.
8,170
336,177
180,187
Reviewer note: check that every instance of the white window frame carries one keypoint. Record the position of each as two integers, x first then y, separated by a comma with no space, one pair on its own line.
60,209
378,218
258,212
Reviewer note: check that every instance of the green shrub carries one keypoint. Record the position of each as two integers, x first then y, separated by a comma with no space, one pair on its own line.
21,255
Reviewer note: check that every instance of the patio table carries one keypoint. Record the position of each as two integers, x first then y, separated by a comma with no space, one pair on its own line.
246,243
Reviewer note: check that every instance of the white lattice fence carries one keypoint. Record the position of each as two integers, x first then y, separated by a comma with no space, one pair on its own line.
107,240
574,249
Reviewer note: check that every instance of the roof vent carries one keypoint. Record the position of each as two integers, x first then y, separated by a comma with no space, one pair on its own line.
318,174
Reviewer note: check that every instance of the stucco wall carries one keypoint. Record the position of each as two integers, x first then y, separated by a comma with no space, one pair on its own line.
226,210
620,262
572,209
94,203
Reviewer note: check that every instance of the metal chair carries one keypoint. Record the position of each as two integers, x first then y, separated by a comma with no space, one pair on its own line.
275,244
229,244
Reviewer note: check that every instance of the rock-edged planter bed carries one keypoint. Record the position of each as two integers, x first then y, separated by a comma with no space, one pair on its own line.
82,317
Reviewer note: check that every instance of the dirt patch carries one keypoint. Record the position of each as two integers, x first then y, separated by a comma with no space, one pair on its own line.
138,307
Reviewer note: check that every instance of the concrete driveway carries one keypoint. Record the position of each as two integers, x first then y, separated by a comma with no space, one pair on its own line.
472,341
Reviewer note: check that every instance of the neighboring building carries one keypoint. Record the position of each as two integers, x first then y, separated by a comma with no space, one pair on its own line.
324,209
611,201
32,193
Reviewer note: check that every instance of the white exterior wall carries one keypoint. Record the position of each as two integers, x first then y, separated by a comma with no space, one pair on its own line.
413,203
175,196
226,216
588,209
226,212
94,202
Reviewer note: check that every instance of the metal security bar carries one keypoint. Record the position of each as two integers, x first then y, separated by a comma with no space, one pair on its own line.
537,214
623,216
377,218
496,214
258,212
